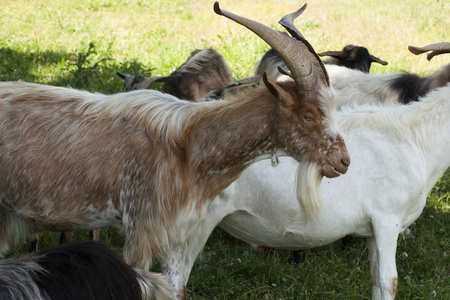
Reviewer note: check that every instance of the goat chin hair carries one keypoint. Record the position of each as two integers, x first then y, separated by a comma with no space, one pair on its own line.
308,189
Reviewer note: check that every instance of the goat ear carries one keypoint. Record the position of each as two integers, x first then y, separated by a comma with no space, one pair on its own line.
377,60
278,92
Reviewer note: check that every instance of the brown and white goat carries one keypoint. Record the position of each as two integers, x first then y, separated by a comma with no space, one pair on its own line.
204,71
150,163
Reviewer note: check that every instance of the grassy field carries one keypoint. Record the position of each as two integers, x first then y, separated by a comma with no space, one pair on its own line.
47,42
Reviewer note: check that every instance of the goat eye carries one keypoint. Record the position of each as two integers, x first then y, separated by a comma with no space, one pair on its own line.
308,119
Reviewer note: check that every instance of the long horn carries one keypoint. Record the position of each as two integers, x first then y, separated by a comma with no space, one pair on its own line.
147,81
128,79
306,67
248,80
436,49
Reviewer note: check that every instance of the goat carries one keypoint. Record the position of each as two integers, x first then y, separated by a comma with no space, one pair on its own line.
352,57
205,70
86,270
388,88
352,84
150,163
398,154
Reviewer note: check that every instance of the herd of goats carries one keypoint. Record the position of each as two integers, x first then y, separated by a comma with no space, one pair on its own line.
248,156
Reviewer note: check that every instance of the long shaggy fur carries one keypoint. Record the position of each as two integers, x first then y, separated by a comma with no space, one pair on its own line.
308,190
86,270
146,162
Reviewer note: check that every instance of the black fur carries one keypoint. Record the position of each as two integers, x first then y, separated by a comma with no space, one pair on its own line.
85,270
409,87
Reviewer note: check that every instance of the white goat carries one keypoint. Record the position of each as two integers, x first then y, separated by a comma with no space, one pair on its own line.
398,154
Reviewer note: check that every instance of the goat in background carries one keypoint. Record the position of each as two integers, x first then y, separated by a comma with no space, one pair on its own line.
205,70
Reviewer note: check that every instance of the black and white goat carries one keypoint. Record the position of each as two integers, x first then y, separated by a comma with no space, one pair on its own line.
205,70
86,270
355,87
388,88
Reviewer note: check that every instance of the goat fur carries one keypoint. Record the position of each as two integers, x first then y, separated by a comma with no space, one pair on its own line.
398,154
86,270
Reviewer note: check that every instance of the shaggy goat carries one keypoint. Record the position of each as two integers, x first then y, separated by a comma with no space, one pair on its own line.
77,271
150,163
205,70
398,154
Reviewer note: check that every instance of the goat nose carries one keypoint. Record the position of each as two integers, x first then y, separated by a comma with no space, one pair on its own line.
346,161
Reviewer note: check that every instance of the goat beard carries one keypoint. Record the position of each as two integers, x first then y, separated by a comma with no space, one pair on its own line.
308,190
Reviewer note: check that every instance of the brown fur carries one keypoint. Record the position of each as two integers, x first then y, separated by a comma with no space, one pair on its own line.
143,161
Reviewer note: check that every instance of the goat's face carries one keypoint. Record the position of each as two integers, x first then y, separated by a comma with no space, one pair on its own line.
315,136
305,127
357,58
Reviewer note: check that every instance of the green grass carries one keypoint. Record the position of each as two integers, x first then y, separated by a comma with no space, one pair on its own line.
42,41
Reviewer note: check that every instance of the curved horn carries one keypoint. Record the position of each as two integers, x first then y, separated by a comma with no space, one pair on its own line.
305,65
127,79
248,80
147,81
436,49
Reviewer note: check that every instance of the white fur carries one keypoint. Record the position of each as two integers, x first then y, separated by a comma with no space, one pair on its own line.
398,154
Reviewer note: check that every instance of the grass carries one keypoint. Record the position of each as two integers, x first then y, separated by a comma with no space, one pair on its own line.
48,42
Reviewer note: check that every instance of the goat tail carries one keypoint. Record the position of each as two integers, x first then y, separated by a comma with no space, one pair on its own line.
308,189
154,285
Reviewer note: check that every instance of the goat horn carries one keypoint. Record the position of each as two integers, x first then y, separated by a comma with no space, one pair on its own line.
303,62
128,79
436,49
147,81
248,80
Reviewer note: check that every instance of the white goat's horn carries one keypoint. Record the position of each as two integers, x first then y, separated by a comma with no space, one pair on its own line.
436,49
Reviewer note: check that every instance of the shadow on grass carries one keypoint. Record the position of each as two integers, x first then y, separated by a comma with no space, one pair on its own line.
76,70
